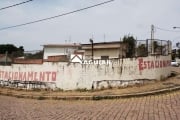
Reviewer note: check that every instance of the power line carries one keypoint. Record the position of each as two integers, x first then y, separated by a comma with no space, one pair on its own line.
53,17
165,29
15,4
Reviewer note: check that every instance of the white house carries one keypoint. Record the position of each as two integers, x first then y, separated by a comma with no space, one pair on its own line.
59,49
105,50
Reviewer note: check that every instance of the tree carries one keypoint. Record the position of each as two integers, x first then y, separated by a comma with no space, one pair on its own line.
178,50
142,50
37,55
12,50
178,45
156,45
178,53
173,55
131,45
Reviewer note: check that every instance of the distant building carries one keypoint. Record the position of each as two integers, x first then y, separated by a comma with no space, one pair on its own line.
56,50
100,50
104,50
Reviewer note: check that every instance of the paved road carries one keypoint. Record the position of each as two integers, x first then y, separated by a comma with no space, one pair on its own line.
160,107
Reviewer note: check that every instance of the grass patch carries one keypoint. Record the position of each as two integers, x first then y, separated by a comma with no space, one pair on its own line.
59,90
81,90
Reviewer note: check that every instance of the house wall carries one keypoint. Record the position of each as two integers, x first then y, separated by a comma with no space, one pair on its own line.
69,76
50,51
112,53
53,52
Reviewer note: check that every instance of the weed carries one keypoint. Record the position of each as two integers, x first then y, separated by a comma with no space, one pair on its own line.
40,98
81,90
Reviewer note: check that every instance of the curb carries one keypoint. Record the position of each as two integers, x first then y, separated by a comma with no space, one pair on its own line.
149,93
95,97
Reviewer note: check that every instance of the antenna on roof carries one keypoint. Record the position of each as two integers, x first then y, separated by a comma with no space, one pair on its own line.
70,39
104,37
92,36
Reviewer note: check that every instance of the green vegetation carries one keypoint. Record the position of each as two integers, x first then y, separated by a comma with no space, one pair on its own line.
142,50
173,55
178,53
37,55
131,45
81,90
12,50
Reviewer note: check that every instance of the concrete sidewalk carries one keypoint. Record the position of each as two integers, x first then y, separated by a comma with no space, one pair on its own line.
149,88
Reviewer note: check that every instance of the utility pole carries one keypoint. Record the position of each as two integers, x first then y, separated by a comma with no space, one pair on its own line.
152,39
177,44
104,37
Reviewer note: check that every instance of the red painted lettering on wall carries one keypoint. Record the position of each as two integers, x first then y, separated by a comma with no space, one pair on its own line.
20,76
6,75
35,76
140,64
28,76
24,76
42,76
53,76
48,73
153,64
15,76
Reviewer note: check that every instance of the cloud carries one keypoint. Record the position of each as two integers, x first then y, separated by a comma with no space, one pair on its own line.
115,20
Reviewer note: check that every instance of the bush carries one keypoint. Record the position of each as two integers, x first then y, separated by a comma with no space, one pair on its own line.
81,90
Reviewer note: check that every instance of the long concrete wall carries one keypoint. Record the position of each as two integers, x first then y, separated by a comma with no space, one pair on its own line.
69,76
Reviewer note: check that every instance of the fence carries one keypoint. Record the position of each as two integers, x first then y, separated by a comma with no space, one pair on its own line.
148,47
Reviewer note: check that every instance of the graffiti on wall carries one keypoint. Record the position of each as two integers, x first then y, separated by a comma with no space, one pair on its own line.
29,76
152,64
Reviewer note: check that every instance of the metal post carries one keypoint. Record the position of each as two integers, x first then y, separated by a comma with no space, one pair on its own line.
147,48
92,48
152,39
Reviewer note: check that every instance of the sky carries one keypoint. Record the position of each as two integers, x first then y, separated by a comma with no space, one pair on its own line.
108,22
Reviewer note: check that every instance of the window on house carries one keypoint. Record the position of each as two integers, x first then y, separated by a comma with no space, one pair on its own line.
104,57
